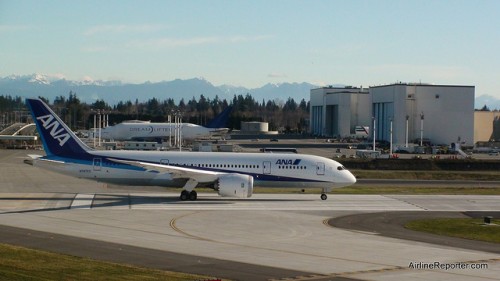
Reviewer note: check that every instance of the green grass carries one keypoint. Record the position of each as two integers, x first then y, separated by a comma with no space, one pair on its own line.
428,175
473,229
408,190
18,263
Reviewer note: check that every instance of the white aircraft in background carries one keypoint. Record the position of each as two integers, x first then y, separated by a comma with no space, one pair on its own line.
230,174
145,130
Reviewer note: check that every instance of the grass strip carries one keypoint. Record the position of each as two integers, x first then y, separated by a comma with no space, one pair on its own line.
427,175
404,190
18,263
473,229
409,190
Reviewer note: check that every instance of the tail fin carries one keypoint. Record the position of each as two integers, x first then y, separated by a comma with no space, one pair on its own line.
57,138
220,120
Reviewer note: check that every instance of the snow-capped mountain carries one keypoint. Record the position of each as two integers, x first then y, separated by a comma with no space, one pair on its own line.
88,90
491,102
114,91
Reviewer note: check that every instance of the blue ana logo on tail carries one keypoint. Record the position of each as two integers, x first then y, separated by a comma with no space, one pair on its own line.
49,122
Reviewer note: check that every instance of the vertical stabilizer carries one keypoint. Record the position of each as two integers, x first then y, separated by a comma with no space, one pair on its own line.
220,120
57,138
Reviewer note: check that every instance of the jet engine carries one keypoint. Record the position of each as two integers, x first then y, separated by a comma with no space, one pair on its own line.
235,185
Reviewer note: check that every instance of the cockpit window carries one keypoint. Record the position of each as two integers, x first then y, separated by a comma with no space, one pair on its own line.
340,168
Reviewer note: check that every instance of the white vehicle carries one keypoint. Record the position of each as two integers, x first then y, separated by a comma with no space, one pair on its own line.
145,130
230,174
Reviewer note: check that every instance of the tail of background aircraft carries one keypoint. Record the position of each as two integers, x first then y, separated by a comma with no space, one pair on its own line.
57,138
220,120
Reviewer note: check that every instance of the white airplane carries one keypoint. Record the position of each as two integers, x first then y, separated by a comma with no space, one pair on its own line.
144,130
230,174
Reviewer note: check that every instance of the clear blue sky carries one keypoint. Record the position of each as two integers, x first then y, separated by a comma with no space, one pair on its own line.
251,43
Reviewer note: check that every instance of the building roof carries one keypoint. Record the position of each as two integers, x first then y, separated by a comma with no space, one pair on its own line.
338,88
421,85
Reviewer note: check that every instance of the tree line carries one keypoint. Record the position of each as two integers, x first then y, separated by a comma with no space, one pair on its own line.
287,116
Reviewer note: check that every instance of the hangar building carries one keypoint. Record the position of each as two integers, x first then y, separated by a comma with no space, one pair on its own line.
486,126
337,111
441,114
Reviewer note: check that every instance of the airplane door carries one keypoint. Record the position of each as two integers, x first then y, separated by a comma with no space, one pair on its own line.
97,164
267,167
320,168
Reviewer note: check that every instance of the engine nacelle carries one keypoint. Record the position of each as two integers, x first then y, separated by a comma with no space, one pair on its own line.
235,185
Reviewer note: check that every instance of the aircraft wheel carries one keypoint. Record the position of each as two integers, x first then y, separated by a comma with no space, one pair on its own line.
323,196
184,195
193,195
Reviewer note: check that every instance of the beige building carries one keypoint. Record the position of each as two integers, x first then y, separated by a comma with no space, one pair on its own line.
486,126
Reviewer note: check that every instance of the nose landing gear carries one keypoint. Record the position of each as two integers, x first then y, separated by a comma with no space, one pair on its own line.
324,192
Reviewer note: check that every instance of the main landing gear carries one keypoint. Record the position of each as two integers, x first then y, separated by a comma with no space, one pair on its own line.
188,192
323,196
186,195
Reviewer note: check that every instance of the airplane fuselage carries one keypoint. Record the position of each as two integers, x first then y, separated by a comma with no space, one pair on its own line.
135,131
291,170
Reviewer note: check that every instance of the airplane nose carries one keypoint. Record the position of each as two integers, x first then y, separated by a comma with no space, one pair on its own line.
351,178
347,179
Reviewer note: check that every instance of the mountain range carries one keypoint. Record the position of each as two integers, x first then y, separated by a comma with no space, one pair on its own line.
491,102
114,91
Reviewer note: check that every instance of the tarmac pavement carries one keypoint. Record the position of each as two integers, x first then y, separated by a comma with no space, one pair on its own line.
268,236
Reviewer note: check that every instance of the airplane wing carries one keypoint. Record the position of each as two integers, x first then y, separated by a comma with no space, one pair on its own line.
175,171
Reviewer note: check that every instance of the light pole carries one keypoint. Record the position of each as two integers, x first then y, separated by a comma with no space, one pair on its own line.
94,129
170,129
390,146
100,126
180,130
406,138
421,128
374,132
175,128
